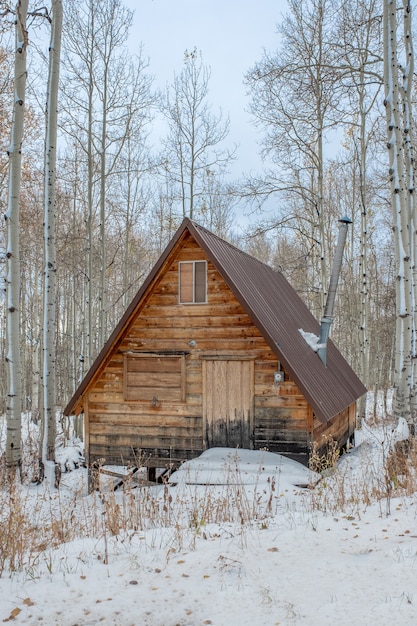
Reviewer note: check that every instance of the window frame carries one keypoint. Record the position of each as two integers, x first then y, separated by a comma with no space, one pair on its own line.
194,282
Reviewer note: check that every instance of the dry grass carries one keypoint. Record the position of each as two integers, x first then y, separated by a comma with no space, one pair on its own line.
35,520
323,462
393,475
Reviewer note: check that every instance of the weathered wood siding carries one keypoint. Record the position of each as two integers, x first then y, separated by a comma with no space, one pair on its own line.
340,429
281,411
133,408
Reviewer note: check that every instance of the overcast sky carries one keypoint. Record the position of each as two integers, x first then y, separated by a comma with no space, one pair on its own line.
231,34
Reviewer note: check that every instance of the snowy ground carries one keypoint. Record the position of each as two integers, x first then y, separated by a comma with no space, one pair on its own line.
293,564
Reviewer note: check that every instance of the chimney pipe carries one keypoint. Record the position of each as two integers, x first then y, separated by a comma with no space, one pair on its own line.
327,318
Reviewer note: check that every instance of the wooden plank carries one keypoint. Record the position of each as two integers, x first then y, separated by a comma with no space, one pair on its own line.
86,432
337,428
281,421
109,386
266,379
196,321
191,254
113,373
196,333
102,395
157,364
122,455
234,345
226,355
118,403
310,422
268,415
139,430
290,448
161,394
272,401
151,379
300,436
274,391
141,442
148,420
155,309
266,366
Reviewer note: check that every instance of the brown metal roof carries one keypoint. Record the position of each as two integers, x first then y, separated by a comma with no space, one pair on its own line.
277,311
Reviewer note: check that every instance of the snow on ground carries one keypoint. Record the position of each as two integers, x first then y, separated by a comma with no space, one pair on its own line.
352,562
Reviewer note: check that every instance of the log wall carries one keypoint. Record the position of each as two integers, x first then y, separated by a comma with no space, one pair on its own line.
165,428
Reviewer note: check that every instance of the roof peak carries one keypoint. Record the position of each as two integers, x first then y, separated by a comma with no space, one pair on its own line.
198,227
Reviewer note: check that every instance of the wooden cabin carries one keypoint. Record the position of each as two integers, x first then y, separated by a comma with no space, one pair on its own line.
209,353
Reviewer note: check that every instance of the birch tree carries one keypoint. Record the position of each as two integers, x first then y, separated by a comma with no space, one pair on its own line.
398,84
49,305
361,77
6,91
108,101
13,358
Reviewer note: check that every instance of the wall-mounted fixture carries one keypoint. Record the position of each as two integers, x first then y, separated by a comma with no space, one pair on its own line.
279,377
192,343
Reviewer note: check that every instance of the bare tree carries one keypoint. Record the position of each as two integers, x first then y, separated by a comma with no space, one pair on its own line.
398,84
193,146
360,63
13,358
49,305
6,91
108,102
294,96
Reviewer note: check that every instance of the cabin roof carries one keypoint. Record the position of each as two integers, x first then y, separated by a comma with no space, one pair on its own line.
277,311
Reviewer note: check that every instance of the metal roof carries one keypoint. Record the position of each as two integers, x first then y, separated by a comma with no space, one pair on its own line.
277,311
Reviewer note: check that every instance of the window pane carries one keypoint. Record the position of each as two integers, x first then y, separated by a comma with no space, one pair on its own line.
186,282
200,281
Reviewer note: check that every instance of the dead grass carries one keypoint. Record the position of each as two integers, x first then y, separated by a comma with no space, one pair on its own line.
321,462
343,490
35,520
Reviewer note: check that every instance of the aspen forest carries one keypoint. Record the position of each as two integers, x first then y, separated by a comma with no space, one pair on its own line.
99,166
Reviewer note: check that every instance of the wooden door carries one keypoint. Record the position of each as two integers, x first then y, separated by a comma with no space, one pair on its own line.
228,403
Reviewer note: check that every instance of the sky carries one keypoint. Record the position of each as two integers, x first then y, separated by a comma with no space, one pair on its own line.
231,34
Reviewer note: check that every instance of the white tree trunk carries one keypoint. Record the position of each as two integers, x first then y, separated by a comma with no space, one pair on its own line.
49,310
14,400
400,215
409,159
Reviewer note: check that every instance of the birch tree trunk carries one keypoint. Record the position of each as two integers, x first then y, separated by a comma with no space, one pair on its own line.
49,309
90,57
409,149
400,214
14,400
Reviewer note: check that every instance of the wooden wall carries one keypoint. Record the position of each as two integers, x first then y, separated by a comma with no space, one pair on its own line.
340,428
168,428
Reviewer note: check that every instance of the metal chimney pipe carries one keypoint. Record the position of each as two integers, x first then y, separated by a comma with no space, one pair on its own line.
327,318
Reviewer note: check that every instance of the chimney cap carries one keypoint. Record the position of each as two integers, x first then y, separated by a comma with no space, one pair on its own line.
345,220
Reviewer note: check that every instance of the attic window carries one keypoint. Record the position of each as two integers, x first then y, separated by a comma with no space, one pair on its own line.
192,282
